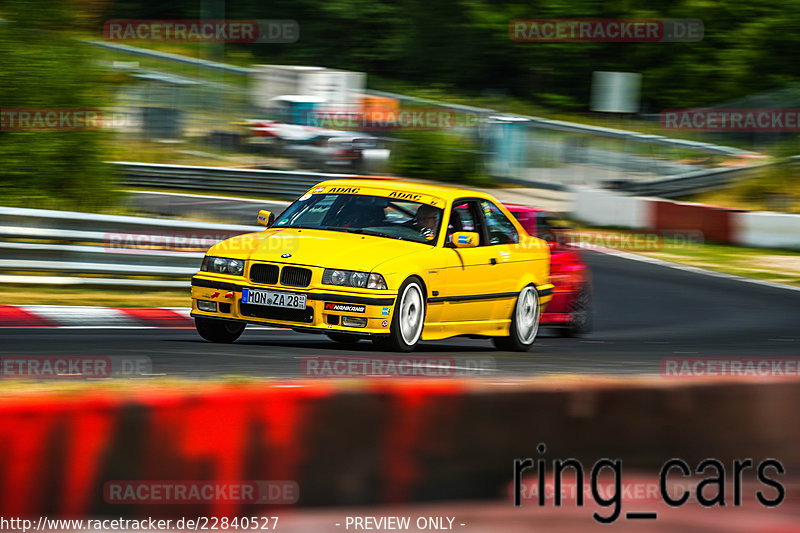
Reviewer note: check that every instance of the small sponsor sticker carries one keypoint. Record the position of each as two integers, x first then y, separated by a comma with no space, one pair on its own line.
319,189
346,308
463,239
385,323
385,311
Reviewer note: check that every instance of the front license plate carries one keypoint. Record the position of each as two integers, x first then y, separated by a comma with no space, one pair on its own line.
273,298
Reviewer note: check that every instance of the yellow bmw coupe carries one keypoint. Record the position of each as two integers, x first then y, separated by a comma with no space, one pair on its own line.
393,261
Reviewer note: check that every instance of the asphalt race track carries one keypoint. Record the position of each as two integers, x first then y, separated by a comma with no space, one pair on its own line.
643,313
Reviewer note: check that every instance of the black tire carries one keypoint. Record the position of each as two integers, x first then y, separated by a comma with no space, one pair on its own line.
344,338
411,296
581,310
522,335
223,331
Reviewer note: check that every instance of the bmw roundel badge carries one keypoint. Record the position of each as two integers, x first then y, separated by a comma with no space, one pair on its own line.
286,255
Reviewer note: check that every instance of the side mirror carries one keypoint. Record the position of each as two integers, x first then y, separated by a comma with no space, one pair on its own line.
465,239
265,218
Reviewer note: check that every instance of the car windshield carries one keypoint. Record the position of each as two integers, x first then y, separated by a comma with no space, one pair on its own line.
369,215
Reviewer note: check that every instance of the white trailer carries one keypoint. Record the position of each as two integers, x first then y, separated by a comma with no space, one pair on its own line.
337,89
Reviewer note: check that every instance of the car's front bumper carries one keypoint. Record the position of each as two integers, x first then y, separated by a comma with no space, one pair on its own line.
376,309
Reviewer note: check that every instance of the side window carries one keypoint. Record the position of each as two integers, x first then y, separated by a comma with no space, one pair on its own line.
500,229
462,218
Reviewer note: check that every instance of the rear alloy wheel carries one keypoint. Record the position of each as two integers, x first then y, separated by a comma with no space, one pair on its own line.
224,331
524,323
344,338
407,320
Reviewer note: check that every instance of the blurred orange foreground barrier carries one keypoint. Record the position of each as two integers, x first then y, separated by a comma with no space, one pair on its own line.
368,442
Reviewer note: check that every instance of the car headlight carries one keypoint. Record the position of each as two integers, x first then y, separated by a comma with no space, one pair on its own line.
222,265
350,278
359,279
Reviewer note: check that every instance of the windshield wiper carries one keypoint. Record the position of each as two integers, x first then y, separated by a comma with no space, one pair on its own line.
374,233
295,226
359,231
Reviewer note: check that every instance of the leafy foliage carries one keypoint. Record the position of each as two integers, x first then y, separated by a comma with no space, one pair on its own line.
437,155
44,67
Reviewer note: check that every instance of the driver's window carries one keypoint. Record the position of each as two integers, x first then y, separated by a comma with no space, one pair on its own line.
462,218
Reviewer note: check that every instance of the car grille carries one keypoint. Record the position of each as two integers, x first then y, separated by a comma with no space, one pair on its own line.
295,277
278,313
261,273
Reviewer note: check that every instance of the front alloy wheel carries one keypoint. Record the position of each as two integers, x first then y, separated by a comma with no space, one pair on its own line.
408,318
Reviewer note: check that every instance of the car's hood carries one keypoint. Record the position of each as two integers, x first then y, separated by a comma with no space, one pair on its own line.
329,249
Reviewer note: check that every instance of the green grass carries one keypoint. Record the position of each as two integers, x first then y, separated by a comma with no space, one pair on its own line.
777,266
181,69
775,188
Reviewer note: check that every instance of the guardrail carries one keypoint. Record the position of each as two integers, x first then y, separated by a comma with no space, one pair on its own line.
690,182
286,184
39,246
155,54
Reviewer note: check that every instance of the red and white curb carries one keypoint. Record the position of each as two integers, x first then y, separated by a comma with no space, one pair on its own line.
69,316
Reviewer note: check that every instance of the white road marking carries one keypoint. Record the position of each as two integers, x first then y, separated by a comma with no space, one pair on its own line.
211,196
84,316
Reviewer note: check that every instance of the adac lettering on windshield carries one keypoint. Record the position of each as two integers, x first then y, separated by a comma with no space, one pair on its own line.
344,190
388,193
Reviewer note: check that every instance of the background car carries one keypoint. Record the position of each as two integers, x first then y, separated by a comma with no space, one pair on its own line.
570,310
339,153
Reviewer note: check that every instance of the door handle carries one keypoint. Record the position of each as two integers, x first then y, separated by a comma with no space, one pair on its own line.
493,261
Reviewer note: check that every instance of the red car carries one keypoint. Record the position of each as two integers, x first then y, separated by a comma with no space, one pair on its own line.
570,310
